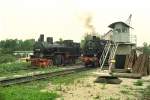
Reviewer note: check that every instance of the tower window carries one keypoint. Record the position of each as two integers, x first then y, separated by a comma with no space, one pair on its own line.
118,30
124,29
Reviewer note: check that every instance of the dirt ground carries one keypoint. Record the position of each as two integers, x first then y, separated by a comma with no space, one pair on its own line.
87,89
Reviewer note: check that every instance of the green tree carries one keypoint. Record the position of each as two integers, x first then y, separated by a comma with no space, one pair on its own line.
83,42
60,40
27,44
146,48
10,45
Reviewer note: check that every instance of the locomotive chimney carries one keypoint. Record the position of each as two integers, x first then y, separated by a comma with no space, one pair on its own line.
50,40
94,37
41,39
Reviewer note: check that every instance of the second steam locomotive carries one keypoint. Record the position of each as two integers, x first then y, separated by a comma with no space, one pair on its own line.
92,50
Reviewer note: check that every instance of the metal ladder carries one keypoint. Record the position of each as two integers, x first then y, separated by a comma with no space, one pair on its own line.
104,54
113,50
112,56
109,47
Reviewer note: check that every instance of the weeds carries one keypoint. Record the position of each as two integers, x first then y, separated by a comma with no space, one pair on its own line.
97,97
138,83
125,86
88,85
112,98
103,86
68,79
59,88
14,66
145,93
124,91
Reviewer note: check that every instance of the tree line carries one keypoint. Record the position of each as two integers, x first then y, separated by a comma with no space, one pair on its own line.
10,45
7,47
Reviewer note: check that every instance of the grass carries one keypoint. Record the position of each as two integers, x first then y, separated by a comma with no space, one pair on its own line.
32,90
113,98
68,79
126,90
97,97
28,91
103,86
58,87
13,66
23,93
144,93
138,83
16,68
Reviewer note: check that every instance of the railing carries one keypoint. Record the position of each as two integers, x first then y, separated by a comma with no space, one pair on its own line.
133,39
125,39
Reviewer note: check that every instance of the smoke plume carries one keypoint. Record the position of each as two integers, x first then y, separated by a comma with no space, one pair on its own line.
90,29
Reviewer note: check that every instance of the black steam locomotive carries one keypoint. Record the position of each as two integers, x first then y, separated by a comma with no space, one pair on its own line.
92,51
58,53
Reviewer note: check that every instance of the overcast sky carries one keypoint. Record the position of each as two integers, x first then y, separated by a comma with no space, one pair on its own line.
25,19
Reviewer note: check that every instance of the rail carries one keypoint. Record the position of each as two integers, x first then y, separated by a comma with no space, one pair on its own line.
25,79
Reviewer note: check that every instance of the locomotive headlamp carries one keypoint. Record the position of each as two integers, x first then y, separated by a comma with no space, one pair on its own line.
37,49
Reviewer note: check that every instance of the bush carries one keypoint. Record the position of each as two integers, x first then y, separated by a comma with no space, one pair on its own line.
14,66
7,58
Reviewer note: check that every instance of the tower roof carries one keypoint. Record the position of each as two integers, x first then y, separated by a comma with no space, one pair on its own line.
120,22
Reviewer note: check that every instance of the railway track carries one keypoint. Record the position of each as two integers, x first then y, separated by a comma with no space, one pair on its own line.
25,79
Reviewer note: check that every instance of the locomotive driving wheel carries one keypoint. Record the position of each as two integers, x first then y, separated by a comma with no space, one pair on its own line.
57,59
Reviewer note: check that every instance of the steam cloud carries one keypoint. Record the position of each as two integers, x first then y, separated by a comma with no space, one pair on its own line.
90,29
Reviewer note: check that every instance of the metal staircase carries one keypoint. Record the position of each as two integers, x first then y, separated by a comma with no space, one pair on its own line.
110,48
104,54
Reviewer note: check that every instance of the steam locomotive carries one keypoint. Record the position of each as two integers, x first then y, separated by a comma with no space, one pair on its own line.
57,53
92,51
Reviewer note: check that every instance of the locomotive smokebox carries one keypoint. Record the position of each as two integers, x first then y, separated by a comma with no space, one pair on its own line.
50,40
41,38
